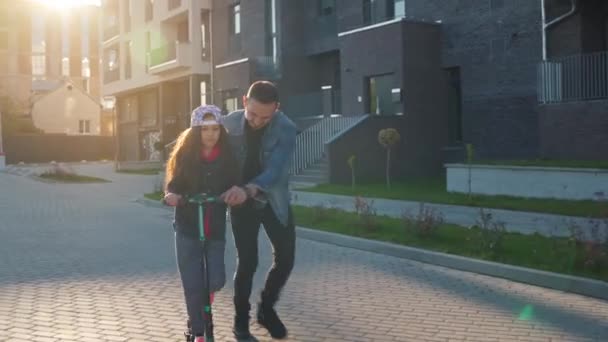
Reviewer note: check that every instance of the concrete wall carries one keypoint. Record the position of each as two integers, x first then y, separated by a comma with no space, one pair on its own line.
540,182
60,148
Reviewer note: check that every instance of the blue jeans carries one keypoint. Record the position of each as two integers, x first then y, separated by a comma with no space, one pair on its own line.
189,253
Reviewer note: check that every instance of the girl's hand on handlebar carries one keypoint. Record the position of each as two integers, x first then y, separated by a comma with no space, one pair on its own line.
172,199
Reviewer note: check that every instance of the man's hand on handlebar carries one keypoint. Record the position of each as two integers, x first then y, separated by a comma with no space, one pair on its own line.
234,196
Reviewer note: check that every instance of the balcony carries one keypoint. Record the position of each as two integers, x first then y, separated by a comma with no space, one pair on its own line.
110,32
582,77
170,58
111,76
266,67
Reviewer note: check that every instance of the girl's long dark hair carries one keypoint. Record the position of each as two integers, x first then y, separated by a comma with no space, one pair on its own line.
183,166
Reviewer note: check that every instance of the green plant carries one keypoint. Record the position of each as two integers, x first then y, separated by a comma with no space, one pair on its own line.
320,213
592,246
425,223
351,164
388,138
470,156
492,233
367,214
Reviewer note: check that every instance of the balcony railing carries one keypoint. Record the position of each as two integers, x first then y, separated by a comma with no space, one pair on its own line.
162,55
170,57
573,78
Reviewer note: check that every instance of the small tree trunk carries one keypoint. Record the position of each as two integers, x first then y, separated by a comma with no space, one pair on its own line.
469,180
388,168
353,178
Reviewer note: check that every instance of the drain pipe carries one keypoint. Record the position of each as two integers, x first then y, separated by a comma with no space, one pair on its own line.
547,25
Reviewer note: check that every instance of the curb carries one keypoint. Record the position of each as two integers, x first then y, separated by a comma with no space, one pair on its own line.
556,281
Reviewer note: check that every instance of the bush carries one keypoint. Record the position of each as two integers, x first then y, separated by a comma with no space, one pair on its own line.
425,223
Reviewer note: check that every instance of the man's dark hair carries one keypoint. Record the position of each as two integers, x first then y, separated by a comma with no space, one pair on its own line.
264,92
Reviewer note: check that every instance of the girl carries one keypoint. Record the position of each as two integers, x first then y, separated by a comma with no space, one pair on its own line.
201,162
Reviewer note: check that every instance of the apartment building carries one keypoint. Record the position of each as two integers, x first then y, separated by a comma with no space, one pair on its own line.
157,65
510,77
43,49
517,79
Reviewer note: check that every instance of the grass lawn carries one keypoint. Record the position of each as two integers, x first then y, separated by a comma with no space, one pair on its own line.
559,255
72,178
146,172
433,191
155,196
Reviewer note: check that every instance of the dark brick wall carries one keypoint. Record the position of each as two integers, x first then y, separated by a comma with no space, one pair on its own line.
497,45
360,54
60,148
575,130
411,157
252,39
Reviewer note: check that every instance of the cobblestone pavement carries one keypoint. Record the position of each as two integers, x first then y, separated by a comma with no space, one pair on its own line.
88,263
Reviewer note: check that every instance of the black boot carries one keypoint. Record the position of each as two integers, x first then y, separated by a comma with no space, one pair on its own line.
241,327
268,318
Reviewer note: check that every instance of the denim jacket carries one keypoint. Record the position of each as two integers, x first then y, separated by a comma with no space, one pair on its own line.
278,144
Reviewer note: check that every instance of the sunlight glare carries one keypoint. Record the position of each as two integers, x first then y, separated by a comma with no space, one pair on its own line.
67,4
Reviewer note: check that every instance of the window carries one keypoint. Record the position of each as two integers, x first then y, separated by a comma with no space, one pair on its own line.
85,68
84,34
235,27
205,35
128,50
65,67
231,104
39,66
112,60
369,11
271,29
326,7
203,85
86,85
399,8
84,126
149,10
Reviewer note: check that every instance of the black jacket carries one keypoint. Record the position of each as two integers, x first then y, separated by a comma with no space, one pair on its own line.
216,177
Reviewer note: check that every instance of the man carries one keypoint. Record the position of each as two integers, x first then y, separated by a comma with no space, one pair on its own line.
264,140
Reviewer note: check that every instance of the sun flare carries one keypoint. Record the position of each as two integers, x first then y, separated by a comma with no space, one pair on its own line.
67,4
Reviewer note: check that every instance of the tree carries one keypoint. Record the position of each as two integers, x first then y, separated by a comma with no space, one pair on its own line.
351,163
388,138
13,120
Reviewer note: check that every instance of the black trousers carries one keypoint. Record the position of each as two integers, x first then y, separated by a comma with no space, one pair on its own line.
245,227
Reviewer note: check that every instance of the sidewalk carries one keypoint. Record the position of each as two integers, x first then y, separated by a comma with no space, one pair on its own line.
515,221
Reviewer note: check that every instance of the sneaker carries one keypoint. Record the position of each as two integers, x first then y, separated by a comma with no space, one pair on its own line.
241,327
199,339
268,318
